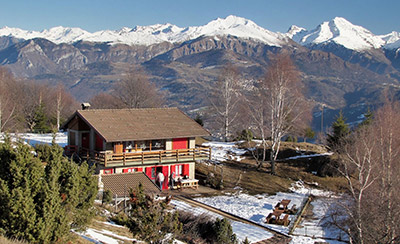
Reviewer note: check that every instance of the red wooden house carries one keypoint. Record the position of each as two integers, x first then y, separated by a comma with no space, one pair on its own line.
129,140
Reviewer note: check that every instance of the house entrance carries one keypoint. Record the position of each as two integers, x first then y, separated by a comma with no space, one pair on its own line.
85,140
152,172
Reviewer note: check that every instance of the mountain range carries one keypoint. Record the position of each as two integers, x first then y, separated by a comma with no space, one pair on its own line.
344,66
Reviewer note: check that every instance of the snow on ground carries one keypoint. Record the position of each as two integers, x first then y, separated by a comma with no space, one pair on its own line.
97,237
33,138
317,226
254,208
310,240
253,234
222,151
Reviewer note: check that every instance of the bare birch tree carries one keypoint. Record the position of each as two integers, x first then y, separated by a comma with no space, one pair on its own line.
282,106
136,91
370,164
359,162
387,129
225,98
105,101
7,103
257,108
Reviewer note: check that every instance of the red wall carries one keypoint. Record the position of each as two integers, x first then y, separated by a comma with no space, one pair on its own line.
179,143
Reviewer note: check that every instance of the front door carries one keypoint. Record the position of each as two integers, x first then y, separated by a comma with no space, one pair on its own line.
85,140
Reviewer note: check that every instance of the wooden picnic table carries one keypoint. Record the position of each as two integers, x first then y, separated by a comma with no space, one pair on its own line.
276,218
187,183
282,205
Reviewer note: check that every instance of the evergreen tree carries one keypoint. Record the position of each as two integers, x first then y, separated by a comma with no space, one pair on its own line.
149,220
369,115
223,231
107,197
246,241
41,203
340,131
309,133
20,185
40,120
199,119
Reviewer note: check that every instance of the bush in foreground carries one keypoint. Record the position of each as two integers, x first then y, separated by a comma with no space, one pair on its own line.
40,202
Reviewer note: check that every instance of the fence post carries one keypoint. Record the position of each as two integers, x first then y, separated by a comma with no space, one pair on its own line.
124,158
116,196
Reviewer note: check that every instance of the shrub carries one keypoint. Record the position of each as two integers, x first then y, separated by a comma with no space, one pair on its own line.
107,197
223,231
245,135
41,204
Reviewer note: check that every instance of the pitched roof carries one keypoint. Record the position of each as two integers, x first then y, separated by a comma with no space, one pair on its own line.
120,183
140,124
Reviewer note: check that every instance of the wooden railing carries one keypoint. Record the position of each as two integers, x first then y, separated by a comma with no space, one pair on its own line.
150,157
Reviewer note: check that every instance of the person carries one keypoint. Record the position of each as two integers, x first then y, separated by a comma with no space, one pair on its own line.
160,179
172,179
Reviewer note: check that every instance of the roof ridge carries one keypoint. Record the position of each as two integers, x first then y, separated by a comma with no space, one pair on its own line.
119,109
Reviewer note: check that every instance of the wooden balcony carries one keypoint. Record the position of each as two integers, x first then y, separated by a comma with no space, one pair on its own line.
110,159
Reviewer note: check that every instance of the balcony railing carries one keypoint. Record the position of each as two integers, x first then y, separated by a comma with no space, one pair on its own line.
108,158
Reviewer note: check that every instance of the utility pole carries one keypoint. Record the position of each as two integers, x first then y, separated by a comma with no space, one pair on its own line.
322,119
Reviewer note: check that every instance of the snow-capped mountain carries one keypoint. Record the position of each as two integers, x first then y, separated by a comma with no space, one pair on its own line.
295,30
392,40
148,35
342,32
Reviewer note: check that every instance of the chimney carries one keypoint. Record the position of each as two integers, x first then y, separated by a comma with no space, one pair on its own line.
85,106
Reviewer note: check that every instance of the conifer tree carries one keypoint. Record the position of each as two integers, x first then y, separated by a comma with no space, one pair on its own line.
40,203
223,231
246,241
369,115
149,220
340,131
41,120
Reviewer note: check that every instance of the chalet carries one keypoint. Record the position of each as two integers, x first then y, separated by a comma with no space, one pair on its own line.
122,141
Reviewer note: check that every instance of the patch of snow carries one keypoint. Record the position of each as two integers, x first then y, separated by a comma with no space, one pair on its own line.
310,156
318,225
97,236
300,188
253,234
33,138
255,208
222,151
310,240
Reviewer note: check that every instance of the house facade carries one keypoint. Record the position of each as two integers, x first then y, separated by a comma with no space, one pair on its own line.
122,141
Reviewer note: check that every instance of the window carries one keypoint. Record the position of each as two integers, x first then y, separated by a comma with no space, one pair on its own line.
178,169
153,172
129,170
157,144
143,145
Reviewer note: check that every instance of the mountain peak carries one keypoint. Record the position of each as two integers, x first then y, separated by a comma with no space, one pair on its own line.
294,30
340,31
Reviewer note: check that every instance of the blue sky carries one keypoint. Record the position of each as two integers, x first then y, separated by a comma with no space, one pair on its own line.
381,17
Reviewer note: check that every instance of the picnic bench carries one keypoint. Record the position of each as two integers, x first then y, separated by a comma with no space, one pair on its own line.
278,218
186,183
280,215
284,206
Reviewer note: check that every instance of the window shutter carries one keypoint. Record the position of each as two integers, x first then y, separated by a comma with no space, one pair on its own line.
186,169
